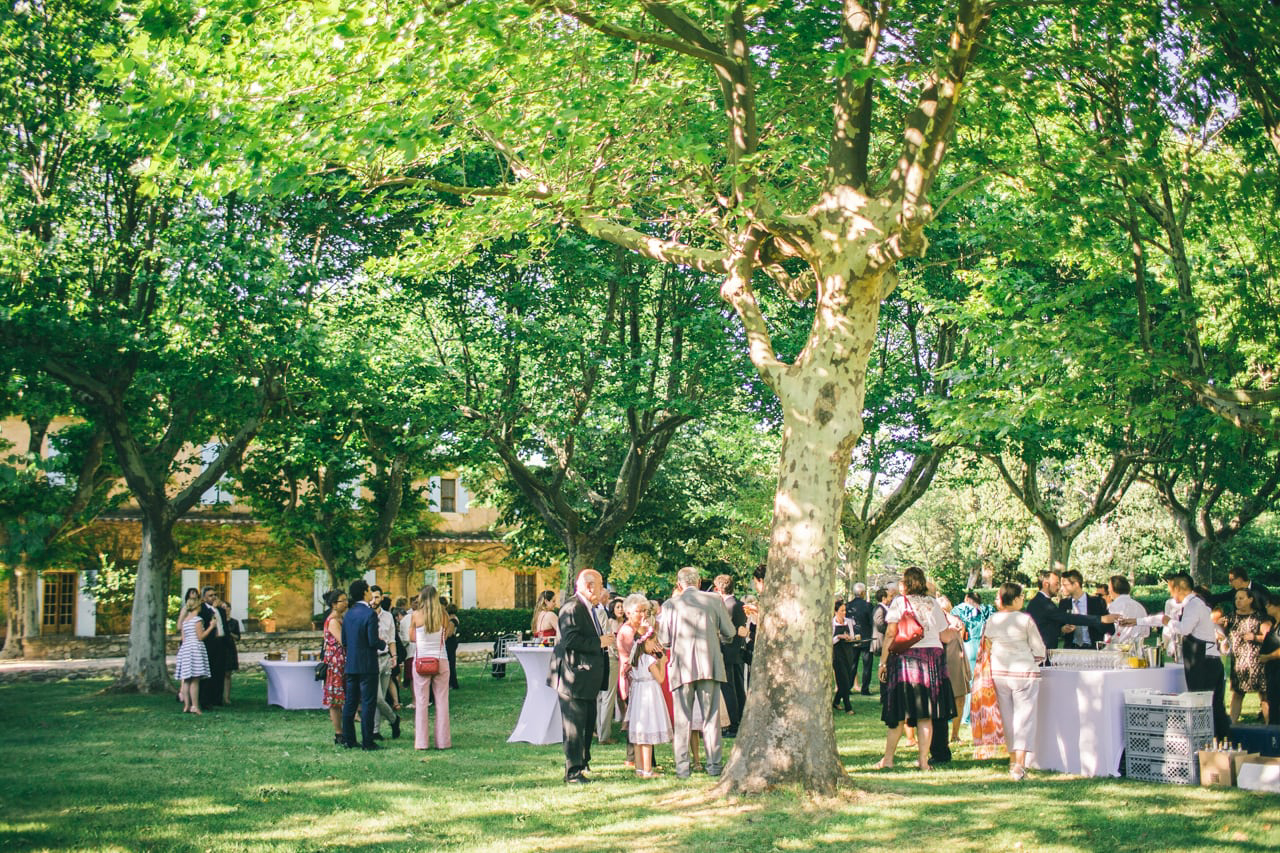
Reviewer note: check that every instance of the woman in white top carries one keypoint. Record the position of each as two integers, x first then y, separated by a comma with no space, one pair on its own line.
914,684
1016,653
430,627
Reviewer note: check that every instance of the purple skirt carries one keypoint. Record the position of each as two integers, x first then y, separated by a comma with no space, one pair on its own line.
917,688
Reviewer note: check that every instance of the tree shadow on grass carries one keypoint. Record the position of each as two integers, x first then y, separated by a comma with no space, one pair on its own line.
131,773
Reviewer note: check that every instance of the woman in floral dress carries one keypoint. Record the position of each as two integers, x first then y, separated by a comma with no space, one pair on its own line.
335,658
1245,634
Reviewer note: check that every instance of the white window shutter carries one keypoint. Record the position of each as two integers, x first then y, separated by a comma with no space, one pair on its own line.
433,494
319,587
239,594
462,498
371,577
54,478
218,493
86,608
190,578
468,598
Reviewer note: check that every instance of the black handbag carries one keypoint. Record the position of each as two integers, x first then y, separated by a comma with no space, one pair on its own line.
322,670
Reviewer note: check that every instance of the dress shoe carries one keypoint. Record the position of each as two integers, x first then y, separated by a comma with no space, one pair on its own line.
728,733
339,740
370,747
577,780
865,693
395,728
378,736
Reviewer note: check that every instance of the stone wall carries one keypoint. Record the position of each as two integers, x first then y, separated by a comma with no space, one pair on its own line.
67,647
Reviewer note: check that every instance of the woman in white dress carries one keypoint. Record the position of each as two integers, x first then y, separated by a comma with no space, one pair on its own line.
193,661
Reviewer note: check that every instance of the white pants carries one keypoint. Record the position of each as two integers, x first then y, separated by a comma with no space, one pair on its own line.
1017,697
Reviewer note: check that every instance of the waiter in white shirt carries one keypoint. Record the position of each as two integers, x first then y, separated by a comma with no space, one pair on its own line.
1122,604
1201,658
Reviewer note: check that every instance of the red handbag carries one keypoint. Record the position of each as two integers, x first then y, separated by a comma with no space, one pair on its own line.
428,666
910,631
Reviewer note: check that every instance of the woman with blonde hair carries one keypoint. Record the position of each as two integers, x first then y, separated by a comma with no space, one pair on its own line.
193,661
546,619
430,628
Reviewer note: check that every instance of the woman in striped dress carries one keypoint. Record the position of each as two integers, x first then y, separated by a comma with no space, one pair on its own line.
193,661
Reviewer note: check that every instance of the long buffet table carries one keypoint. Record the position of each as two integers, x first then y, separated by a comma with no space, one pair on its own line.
1080,716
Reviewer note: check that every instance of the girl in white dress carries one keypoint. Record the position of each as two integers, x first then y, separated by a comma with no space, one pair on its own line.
193,661
648,722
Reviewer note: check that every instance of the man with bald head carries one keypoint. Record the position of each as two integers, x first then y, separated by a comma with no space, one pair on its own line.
579,672
693,625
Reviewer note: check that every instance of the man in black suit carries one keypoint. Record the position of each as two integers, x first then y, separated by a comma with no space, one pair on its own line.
360,636
733,690
579,672
215,644
858,609
1049,619
1076,600
1238,579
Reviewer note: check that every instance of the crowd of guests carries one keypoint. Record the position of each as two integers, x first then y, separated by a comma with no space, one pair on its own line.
372,649
676,672
995,656
207,656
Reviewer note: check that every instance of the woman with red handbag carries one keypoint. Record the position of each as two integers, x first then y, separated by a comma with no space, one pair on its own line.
430,628
913,668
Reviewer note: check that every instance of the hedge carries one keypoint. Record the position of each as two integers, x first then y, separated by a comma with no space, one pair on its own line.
485,624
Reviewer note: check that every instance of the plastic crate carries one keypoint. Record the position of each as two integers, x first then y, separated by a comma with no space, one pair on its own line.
1194,723
1164,745
1144,768
1199,699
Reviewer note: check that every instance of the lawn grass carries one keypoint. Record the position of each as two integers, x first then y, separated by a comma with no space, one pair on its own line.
106,772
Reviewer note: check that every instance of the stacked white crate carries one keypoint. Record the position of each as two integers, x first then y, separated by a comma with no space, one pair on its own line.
1163,732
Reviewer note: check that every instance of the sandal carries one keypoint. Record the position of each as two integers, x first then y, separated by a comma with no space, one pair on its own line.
880,765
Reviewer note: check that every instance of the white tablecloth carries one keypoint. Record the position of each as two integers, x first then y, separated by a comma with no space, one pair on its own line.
1080,716
540,716
293,685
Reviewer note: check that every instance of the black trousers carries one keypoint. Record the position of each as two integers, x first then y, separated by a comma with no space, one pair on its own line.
862,655
362,690
211,688
733,690
1207,674
578,716
939,742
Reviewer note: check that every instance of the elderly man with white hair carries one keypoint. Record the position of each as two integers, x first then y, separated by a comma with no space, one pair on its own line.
858,611
693,625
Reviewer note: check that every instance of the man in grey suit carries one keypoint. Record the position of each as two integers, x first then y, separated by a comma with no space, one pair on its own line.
692,626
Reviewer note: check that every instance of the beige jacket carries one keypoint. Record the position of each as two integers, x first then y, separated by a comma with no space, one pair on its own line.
692,626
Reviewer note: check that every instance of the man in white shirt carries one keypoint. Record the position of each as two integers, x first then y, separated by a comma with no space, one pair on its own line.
1122,604
386,660
1201,659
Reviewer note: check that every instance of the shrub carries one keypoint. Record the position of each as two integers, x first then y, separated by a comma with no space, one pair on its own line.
485,624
